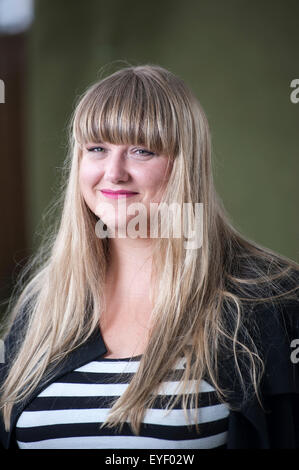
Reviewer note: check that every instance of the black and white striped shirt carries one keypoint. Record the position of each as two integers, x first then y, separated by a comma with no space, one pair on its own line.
69,412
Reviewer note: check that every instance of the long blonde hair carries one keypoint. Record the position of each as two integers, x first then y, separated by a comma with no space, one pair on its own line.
202,297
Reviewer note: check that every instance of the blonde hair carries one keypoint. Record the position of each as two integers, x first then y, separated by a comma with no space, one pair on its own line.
202,298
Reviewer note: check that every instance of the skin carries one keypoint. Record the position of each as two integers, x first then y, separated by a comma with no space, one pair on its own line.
125,322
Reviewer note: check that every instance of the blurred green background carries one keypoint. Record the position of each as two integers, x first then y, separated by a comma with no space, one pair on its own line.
238,56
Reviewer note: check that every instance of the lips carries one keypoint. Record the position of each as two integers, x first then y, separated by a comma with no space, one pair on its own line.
120,191
116,194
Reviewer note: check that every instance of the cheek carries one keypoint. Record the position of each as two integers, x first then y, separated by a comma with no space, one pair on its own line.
87,177
157,178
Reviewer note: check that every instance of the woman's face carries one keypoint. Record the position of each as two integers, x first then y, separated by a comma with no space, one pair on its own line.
131,168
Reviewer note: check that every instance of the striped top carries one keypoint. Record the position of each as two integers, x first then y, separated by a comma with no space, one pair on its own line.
68,413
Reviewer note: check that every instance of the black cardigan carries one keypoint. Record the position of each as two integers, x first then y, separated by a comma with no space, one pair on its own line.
251,427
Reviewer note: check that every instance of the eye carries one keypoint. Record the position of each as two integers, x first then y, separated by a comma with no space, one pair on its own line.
95,149
143,152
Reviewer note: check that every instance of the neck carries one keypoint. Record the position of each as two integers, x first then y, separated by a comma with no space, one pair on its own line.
129,256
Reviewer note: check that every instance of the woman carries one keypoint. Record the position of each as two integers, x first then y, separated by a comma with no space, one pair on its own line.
125,340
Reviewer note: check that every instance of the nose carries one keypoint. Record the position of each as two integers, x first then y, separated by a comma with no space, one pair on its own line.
115,169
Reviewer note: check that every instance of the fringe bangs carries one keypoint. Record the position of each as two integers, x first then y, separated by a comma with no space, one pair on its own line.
130,111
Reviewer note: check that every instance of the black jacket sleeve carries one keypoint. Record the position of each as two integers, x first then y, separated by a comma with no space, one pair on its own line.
10,345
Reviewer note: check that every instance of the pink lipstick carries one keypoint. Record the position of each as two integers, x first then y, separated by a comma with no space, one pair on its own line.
116,194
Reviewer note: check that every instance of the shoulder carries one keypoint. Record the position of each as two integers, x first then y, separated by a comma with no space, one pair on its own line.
14,332
280,317
271,308
268,335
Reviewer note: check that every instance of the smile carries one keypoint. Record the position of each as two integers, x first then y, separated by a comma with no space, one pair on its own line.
117,194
